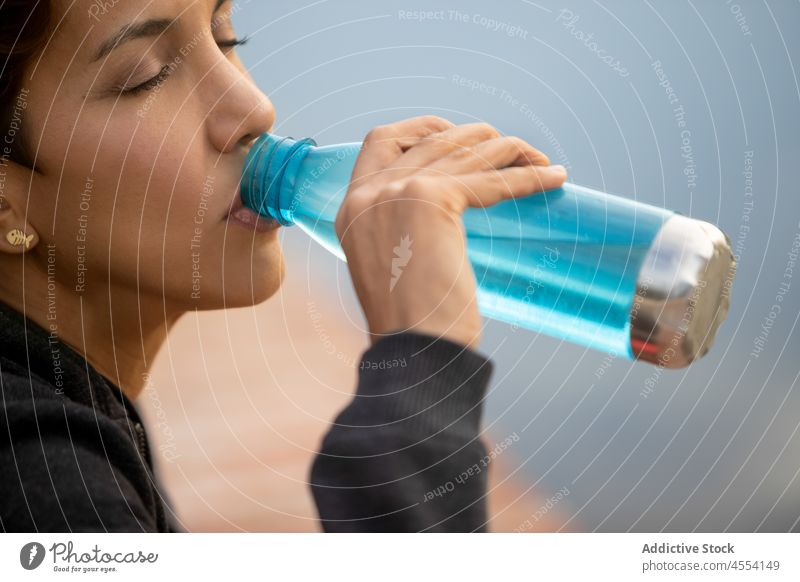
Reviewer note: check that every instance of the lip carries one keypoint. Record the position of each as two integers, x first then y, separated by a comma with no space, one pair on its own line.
239,215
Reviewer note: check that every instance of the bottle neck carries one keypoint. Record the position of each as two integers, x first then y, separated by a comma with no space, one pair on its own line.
269,175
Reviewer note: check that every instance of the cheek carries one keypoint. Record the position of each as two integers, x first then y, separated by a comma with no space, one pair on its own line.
181,230
157,188
144,199
157,201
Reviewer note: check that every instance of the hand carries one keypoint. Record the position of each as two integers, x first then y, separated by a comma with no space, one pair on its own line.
400,223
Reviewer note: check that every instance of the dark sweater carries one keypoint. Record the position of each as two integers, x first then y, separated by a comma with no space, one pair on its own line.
404,455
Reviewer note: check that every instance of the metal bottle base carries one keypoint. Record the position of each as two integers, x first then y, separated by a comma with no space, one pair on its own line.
682,293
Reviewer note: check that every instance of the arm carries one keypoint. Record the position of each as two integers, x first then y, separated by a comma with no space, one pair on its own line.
405,454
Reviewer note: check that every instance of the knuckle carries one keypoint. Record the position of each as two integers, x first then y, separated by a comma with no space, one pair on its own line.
500,182
378,133
340,224
435,122
485,130
461,153
536,181
392,190
415,186
518,143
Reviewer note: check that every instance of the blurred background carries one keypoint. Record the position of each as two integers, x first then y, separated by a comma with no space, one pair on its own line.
694,106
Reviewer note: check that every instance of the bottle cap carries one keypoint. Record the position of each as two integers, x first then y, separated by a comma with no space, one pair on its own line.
682,293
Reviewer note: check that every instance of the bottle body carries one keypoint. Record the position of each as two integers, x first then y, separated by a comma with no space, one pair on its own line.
573,263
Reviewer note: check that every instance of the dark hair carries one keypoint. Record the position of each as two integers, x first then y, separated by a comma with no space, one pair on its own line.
24,28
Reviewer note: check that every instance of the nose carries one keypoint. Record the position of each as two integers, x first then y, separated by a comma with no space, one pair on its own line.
240,111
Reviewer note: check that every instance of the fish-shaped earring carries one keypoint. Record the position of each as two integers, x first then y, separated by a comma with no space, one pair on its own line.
18,238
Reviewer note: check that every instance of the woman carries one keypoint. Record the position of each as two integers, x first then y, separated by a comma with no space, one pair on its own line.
125,129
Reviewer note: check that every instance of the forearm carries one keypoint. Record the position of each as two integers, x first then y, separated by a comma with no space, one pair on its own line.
395,457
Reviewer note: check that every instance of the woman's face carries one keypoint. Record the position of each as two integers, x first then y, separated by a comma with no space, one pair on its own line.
140,115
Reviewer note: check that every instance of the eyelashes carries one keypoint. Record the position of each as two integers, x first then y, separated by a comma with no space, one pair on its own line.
153,82
233,42
150,84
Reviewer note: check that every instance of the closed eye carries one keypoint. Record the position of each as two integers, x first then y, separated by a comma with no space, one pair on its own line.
150,84
231,43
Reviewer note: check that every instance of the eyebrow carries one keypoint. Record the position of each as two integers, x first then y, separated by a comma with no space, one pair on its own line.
144,29
134,30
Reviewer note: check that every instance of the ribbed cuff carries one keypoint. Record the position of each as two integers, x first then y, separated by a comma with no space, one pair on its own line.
422,384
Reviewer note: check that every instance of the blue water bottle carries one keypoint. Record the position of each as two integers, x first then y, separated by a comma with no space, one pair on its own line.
600,270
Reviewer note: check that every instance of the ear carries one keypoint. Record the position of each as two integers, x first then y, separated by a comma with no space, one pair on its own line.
17,235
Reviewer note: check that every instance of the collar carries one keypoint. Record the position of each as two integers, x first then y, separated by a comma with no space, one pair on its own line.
43,355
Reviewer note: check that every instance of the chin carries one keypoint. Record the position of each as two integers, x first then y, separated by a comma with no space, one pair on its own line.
261,281
246,294
248,285
256,291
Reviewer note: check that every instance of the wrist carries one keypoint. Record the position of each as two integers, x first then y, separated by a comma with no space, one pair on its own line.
468,336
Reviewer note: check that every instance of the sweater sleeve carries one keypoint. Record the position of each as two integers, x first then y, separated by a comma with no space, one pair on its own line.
405,454
66,468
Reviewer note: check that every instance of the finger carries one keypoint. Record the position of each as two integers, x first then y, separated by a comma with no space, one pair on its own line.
484,189
493,154
435,146
385,143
